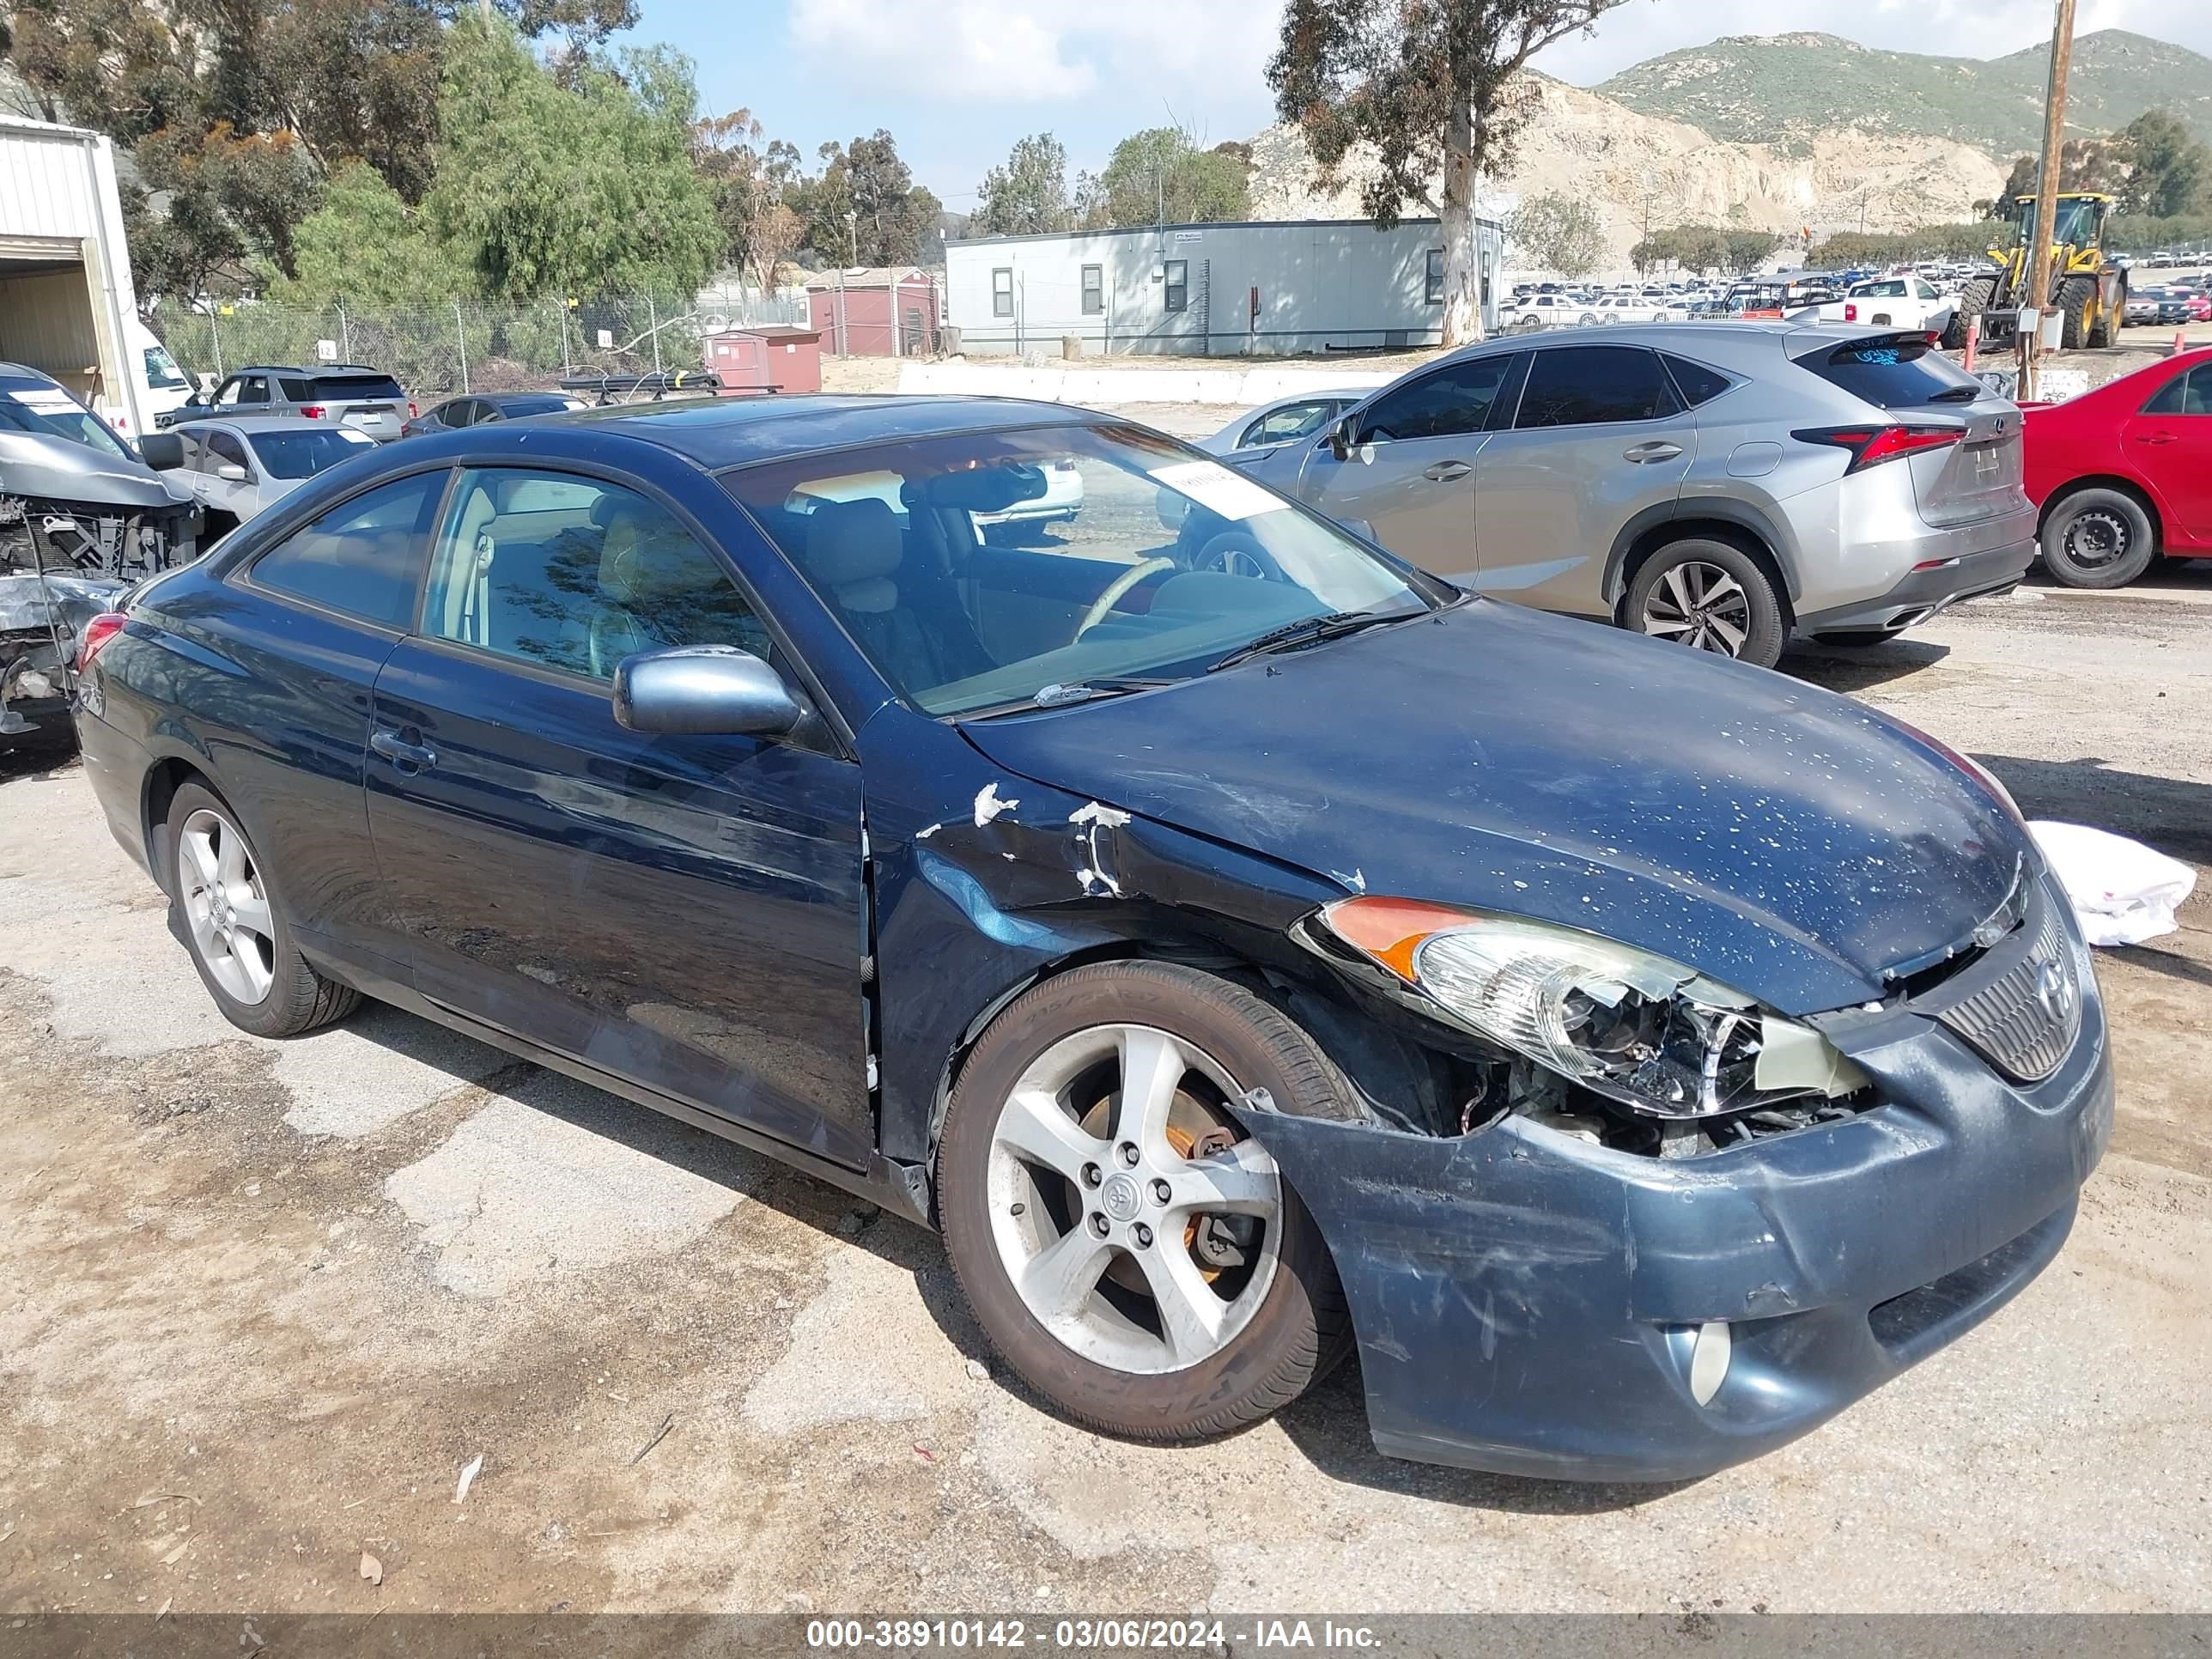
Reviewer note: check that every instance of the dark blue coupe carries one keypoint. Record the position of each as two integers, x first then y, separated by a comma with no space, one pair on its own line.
1244,947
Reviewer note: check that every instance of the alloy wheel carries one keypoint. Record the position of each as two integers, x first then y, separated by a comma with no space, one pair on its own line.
1700,605
1136,1224
2097,538
226,907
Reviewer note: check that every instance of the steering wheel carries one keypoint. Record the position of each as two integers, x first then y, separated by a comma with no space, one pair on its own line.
1237,553
1115,589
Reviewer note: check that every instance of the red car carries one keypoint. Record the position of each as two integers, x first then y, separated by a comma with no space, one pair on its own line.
2123,474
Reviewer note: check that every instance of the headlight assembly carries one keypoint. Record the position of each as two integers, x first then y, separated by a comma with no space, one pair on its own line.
1650,1034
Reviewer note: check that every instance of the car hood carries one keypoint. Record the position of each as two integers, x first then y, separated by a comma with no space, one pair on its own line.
1785,841
37,464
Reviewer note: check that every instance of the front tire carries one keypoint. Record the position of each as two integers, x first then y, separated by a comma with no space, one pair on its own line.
1135,1258
1973,300
2097,538
1709,596
2076,294
235,930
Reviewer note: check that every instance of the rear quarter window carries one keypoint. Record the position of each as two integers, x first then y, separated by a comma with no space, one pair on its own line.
1892,373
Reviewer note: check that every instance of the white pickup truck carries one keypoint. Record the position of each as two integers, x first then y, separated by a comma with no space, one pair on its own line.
1905,302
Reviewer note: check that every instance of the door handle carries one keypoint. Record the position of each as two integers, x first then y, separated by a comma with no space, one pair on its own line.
1657,450
1447,471
2156,438
409,757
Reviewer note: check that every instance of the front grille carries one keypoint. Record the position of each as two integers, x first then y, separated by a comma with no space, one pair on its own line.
2025,1020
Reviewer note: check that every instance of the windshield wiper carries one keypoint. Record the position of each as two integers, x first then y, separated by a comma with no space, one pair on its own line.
1058,697
1957,394
1307,631
1104,685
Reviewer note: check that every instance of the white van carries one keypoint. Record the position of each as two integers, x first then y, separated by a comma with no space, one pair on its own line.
162,386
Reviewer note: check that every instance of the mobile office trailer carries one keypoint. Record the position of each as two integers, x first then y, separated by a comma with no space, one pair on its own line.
66,303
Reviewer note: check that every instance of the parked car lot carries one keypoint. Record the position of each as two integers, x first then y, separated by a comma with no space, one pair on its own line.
1721,487
355,1262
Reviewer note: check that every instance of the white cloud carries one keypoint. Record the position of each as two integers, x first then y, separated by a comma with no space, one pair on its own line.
1028,51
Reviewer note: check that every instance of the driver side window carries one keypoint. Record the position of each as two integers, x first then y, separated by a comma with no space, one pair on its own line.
1455,399
573,574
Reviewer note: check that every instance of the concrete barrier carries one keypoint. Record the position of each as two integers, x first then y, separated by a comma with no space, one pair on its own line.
1229,388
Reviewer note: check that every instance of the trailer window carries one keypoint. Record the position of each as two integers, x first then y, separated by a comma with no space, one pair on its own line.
1002,291
1178,284
1094,290
1436,276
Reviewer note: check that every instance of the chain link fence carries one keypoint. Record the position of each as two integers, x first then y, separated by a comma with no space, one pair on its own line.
438,350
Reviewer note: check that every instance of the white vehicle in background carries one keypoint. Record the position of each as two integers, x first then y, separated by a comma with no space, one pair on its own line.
1636,308
163,386
1910,301
1286,420
1548,311
236,469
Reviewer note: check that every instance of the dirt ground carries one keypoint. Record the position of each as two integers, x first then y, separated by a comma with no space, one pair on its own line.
262,1304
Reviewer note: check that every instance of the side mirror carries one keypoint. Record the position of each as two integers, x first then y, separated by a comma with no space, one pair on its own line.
1341,437
162,450
230,472
696,690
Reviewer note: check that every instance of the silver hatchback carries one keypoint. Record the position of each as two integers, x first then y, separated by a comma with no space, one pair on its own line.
1723,485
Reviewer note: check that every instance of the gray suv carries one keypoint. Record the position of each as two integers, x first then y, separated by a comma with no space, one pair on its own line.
366,400
1724,485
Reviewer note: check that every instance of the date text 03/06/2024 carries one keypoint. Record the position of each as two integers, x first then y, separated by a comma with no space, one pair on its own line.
1123,1635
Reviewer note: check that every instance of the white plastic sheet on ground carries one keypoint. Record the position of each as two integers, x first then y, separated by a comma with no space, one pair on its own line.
2122,891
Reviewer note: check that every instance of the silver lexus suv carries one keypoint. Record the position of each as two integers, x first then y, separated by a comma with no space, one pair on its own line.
1726,484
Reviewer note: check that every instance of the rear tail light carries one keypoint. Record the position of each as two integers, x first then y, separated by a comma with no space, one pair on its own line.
97,633
1871,446
1850,314
410,408
312,411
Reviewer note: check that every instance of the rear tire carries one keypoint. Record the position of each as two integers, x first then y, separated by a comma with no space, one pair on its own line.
1973,300
1709,596
235,930
1144,1335
2097,538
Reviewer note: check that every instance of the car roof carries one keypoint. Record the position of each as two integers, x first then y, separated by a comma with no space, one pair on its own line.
723,432
13,374
309,369
255,426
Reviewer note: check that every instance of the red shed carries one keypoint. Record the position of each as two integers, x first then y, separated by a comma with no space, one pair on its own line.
771,357
877,312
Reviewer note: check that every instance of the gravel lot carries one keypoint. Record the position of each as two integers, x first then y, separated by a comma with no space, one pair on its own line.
262,1302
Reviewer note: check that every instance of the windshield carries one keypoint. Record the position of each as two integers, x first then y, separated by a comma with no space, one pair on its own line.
52,413
979,571
303,454
2077,222
161,371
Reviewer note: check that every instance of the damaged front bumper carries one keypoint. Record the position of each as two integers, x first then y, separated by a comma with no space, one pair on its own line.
1529,1303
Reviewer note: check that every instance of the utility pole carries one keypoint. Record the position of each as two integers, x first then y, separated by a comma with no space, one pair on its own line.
2047,195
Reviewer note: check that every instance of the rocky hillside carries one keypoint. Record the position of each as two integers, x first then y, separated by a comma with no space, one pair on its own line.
1790,88
1641,171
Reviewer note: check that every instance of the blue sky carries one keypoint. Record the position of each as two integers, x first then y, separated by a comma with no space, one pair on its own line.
956,82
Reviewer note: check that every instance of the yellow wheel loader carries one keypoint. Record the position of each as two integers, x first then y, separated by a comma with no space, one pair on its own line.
2088,288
